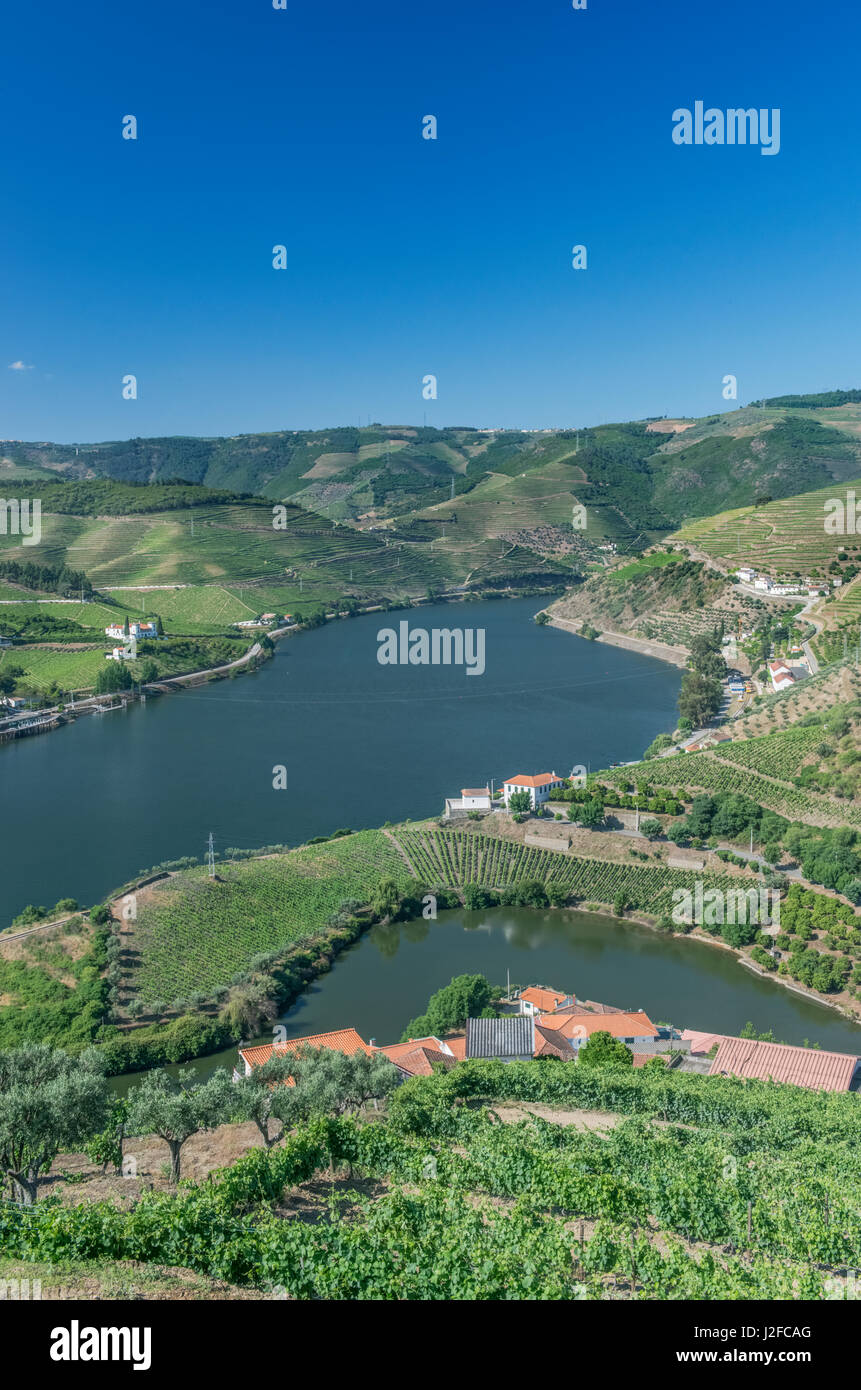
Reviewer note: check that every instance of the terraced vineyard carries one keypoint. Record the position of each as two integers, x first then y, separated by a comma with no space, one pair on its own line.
777,755
194,933
784,537
452,859
705,772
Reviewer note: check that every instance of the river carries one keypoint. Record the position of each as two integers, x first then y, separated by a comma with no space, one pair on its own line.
385,979
98,801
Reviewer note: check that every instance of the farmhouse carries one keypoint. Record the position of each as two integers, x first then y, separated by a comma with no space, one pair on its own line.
538,787
636,1030
781,676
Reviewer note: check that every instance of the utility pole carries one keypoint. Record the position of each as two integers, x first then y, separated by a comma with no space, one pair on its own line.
210,856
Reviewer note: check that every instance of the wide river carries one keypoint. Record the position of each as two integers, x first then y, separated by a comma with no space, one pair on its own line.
383,981
89,806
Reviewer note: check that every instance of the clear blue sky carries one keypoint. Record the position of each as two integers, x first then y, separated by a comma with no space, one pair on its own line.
408,256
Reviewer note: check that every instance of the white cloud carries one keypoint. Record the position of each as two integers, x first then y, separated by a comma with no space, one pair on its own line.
20,366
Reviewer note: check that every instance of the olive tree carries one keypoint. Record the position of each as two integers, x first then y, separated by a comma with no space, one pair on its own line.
177,1108
49,1102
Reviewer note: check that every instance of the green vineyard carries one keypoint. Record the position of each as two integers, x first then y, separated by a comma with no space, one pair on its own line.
704,772
194,933
777,755
453,859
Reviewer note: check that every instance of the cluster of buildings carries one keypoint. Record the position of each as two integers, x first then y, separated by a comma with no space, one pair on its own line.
538,788
548,1023
764,584
267,620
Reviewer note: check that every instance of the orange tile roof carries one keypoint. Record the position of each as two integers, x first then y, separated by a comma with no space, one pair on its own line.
394,1050
547,1000
633,1025
798,1066
457,1044
475,791
422,1060
521,780
344,1040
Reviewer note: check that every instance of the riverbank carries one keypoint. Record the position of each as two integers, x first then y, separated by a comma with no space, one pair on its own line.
661,651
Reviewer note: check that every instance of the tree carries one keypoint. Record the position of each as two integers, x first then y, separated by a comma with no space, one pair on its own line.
651,828
386,900
542,618
146,671
107,1146
620,903
48,1101
603,1050
589,813
264,1097
177,1109
159,627
126,632
466,996
331,1083
520,801
699,698
113,676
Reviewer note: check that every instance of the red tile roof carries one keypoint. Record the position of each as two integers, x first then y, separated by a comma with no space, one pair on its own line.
475,791
456,1042
420,1060
547,1000
344,1040
633,1025
701,1042
521,780
641,1058
798,1066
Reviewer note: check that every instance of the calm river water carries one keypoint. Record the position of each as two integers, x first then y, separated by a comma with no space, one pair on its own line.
87,807
383,981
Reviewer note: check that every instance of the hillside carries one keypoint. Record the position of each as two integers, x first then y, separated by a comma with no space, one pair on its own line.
527,1181
636,478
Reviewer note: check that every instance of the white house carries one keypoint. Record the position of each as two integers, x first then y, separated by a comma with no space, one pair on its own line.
635,1029
746,574
142,631
539,787
781,676
763,583
122,653
470,799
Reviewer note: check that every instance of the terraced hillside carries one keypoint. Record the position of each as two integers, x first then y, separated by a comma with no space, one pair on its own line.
785,537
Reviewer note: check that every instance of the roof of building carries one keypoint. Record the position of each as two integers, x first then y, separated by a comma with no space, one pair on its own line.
421,1060
456,1043
475,791
798,1066
618,1025
541,780
546,1000
549,1042
344,1040
641,1058
512,1036
701,1042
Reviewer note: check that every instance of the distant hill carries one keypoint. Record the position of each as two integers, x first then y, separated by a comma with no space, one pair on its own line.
638,480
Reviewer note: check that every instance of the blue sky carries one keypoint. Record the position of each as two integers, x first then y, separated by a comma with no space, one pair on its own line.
408,256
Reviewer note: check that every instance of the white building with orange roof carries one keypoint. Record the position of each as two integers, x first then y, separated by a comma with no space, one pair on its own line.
536,1000
538,786
636,1030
